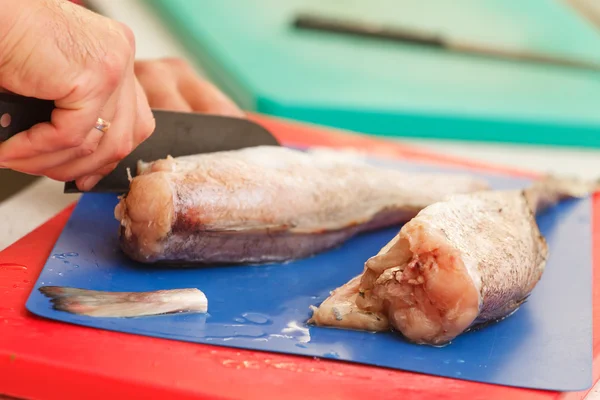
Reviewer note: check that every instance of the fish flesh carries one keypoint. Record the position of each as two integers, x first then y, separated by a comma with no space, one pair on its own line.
460,263
469,260
96,303
267,204
340,309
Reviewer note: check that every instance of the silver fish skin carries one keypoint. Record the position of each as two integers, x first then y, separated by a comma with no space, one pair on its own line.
267,204
466,261
96,303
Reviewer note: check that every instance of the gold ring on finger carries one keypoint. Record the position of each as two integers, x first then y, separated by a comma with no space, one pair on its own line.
102,125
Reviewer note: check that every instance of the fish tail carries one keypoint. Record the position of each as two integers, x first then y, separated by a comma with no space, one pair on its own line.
550,190
125,304
62,291
74,305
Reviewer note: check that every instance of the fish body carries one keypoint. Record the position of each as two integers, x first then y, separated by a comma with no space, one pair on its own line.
267,204
465,261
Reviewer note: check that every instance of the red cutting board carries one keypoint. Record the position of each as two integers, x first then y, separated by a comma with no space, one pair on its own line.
45,359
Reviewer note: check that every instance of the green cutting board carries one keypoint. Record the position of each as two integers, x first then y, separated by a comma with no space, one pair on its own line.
251,50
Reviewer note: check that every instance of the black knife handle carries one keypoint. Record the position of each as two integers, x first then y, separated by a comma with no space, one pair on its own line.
19,113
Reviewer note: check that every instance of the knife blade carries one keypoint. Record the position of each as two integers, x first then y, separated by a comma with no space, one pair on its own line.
176,134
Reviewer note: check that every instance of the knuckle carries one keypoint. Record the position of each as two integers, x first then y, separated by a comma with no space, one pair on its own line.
120,153
84,150
113,66
146,127
153,70
61,176
107,169
142,67
116,61
73,140
127,34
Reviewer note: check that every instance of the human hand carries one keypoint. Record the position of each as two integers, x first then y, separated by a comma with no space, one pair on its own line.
55,50
172,84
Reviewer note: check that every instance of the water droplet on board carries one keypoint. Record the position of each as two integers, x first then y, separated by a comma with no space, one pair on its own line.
12,266
302,346
226,333
75,266
332,354
295,330
66,262
460,361
62,256
60,274
240,320
256,318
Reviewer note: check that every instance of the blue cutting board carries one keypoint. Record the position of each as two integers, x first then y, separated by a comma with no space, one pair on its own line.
251,50
547,344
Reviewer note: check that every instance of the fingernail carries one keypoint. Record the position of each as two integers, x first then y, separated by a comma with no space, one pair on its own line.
87,183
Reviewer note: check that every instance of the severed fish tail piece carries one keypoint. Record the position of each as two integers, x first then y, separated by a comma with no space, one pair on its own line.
125,304
267,204
469,260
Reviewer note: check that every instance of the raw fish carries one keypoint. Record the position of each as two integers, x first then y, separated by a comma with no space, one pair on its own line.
96,303
460,263
267,204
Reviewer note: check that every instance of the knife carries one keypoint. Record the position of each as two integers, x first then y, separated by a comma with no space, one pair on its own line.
176,134
321,23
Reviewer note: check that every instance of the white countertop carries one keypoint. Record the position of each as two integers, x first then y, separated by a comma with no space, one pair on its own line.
36,204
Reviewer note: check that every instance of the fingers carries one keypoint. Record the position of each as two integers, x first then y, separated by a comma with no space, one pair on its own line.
172,84
87,76
145,125
53,160
133,122
70,148
164,95
76,112
51,137
204,97
115,144
88,182
161,86
37,164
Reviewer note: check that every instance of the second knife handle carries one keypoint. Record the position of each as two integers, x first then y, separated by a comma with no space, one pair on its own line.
19,113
